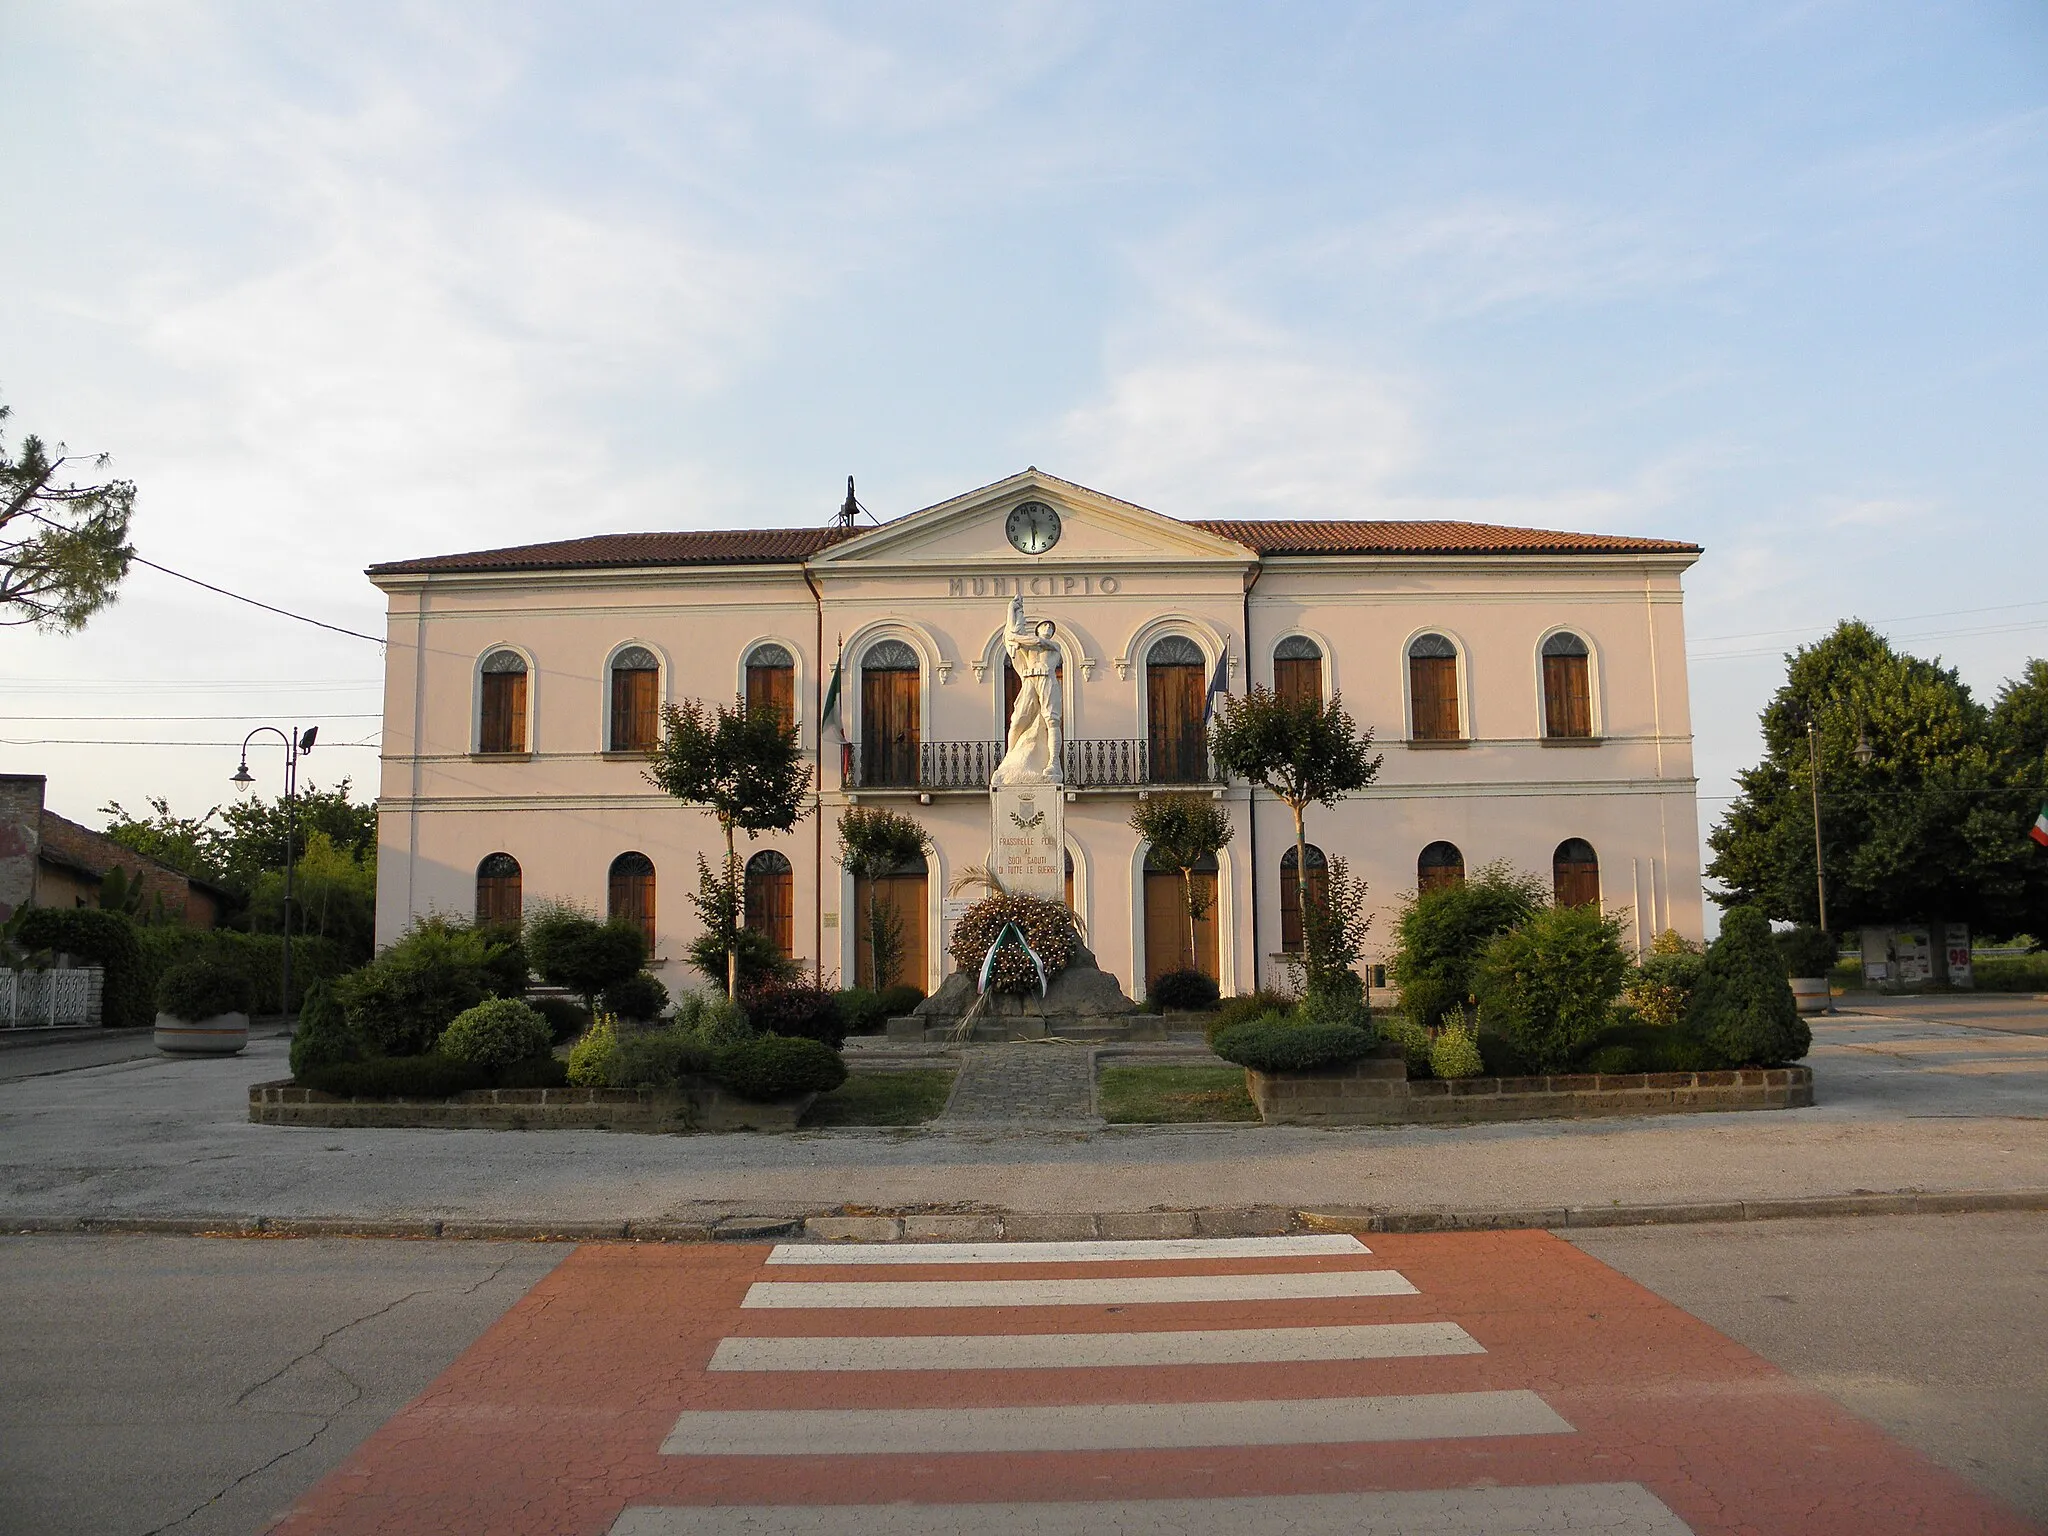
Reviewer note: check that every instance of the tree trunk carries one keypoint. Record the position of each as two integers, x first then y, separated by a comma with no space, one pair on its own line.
732,933
1301,879
1187,880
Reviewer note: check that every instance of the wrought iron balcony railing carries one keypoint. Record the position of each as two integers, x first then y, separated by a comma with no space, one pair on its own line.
1090,763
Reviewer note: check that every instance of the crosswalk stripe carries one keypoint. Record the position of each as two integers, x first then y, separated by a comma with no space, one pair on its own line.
1567,1509
1029,1351
1109,1426
1096,1251
1130,1290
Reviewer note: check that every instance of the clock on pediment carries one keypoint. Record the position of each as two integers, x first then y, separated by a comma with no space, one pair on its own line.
1033,527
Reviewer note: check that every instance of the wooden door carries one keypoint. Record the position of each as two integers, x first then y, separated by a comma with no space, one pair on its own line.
1173,695
771,899
906,896
1166,926
888,726
1575,874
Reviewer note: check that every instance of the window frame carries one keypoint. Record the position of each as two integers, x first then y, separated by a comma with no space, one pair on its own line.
798,674
606,699
649,918
1461,675
476,703
1595,723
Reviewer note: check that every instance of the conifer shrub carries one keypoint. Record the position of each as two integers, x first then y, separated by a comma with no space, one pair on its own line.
496,1033
591,1056
1455,1053
1549,985
323,1035
202,989
1184,991
1742,1011
771,1067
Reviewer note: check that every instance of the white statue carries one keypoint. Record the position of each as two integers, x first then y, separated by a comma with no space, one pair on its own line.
1033,752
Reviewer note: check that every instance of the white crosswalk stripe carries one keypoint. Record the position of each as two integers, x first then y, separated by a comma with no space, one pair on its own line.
1129,1290
1093,1251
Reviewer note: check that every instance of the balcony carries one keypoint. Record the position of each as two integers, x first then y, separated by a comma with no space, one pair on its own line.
1091,763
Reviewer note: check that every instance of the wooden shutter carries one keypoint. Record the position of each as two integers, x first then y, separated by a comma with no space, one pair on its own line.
772,689
889,727
1290,907
636,712
1567,696
1433,693
630,894
498,892
771,900
1575,874
1173,696
1298,678
504,713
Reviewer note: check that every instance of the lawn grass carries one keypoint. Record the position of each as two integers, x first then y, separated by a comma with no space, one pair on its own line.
1174,1095
884,1098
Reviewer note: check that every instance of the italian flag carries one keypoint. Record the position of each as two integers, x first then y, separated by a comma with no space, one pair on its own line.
2039,831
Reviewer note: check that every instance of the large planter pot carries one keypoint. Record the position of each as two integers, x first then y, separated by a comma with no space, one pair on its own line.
222,1035
1812,994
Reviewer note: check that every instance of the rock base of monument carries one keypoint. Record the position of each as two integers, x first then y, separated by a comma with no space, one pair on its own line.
1084,1002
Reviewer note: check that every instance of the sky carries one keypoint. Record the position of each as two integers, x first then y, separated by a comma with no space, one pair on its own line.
338,284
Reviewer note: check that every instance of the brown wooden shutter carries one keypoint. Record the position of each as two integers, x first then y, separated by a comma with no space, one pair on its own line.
1575,874
636,712
1567,696
1433,690
630,894
1298,679
772,689
889,726
771,900
1174,710
504,713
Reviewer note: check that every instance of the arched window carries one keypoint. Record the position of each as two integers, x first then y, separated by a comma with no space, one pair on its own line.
889,706
1177,735
771,899
1567,687
629,895
1166,920
636,700
902,896
498,892
1070,879
1433,689
1439,865
1298,670
1290,894
771,681
502,721
1575,873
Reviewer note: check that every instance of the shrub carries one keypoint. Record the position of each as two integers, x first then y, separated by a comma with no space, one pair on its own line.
104,939
507,965
862,1011
1184,991
1273,1044
1501,1056
1336,1005
759,959
323,1035
1414,1042
1806,951
401,1001
566,1019
1615,1059
640,996
534,1072
1440,934
258,956
397,1077
202,989
1333,935
590,1058
573,950
1549,985
1245,1007
1047,927
797,1009
656,1058
1742,1010
1639,1047
713,1019
496,1034
900,999
1455,1053
1660,984
770,1067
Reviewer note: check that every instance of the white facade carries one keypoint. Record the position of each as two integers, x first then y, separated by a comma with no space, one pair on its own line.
1117,581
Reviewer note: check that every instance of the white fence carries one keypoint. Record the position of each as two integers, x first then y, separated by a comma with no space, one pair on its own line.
43,999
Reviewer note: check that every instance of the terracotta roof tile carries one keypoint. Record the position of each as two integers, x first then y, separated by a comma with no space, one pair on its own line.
1388,538
742,546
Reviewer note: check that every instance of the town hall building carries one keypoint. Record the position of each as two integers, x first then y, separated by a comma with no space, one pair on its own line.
1527,689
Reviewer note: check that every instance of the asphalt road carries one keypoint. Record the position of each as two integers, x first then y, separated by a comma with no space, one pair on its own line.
199,1385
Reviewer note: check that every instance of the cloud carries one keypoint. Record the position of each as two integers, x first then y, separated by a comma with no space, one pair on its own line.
1875,512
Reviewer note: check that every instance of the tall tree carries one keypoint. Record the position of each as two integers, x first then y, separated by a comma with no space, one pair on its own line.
63,540
1927,828
1186,832
744,767
1303,752
2019,733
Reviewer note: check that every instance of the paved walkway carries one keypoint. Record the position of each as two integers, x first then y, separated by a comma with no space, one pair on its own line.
1498,1382
1030,1085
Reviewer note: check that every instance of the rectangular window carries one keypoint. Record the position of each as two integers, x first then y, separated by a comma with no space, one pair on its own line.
504,713
1567,697
1433,692
636,709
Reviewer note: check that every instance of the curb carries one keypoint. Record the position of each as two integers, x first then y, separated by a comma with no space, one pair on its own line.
1021,1226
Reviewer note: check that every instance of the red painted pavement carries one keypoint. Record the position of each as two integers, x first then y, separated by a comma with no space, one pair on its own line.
553,1421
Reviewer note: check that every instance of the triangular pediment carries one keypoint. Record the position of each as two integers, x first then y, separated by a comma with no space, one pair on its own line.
973,527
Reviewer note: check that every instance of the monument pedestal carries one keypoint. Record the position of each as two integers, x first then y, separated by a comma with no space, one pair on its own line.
1028,841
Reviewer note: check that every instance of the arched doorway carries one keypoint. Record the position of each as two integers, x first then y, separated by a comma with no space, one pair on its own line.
1176,735
1166,922
902,894
889,707
771,899
1438,865
1575,873
498,892
629,894
1290,900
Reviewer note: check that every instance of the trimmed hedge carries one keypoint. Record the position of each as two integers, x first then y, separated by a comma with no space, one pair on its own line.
648,1058
104,939
566,1019
1184,991
1272,1044
770,1067
202,989
640,997
427,1077
258,956
798,1010
496,1033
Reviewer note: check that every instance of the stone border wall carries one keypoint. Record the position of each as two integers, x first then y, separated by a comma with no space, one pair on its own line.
709,1108
1367,1093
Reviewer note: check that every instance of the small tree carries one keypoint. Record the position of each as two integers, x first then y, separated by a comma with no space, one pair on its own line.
1333,933
727,942
1300,751
573,950
1185,831
1550,984
63,546
874,842
1742,1007
1441,933
745,767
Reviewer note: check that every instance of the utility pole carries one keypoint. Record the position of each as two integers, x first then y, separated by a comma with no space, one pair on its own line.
1820,879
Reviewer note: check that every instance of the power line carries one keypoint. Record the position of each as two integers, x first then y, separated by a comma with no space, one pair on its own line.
315,718
87,741
355,634
1910,618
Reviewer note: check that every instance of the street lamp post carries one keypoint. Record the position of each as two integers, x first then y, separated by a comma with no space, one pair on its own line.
1820,879
296,744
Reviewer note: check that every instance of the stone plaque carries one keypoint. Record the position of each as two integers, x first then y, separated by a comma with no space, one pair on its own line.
1029,839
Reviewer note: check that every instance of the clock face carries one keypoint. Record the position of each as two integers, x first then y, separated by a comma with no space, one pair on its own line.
1033,527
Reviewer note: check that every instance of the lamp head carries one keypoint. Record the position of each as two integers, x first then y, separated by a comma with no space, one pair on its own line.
306,741
1864,751
242,781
